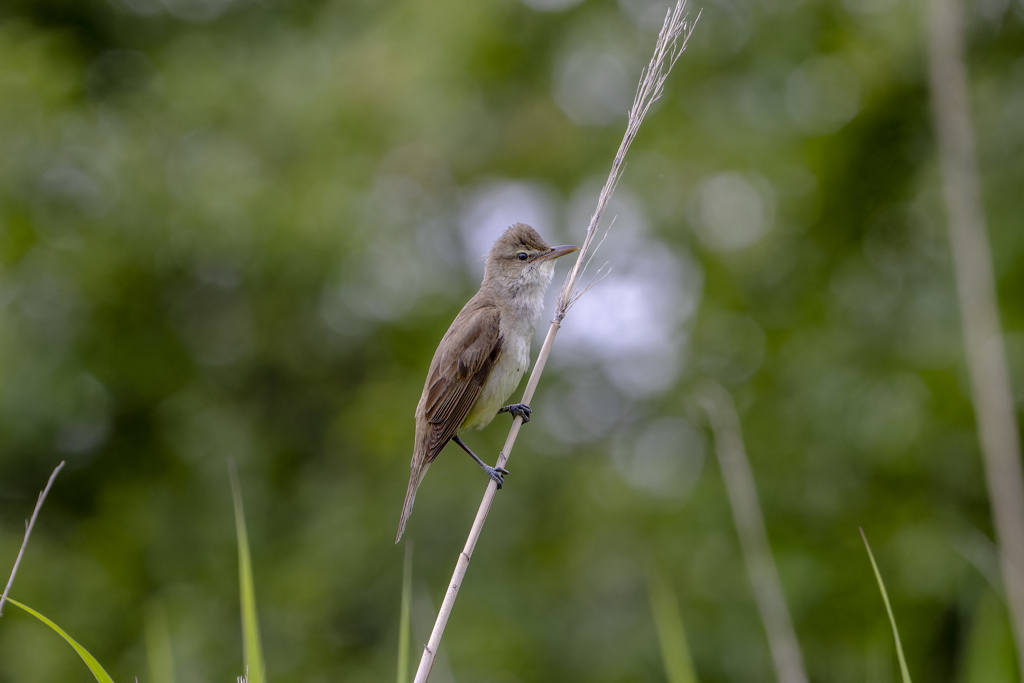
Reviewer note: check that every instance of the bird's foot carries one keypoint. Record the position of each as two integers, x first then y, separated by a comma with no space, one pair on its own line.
520,409
496,473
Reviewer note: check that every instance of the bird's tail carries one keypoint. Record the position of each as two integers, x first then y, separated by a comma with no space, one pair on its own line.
410,497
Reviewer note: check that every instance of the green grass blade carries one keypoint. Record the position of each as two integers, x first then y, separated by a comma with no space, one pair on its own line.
90,661
252,650
668,620
888,608
159,654
405,621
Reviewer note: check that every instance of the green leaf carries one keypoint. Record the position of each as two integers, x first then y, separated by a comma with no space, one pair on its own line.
888,608
90,661
252,650
675,652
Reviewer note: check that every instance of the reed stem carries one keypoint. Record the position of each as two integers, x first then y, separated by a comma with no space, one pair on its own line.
671,42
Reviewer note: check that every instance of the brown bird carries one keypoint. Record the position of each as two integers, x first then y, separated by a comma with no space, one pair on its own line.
483,355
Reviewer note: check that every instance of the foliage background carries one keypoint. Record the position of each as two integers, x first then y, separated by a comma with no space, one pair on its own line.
238,228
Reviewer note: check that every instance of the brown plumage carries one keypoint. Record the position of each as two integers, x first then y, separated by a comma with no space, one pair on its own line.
484,353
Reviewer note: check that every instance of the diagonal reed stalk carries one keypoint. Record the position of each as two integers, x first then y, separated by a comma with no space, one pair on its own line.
904,671
28,532
750,526
97,670
984,348
672,39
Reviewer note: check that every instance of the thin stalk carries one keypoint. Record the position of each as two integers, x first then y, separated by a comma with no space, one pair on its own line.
671,42
28,532
430,649
750,526
985,349
904,671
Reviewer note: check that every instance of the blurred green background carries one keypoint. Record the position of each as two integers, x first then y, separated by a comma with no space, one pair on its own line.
238,229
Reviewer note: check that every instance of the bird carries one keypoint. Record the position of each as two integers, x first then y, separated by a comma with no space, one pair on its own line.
484,354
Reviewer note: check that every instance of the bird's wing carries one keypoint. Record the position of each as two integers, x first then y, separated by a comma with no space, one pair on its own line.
459,370
457,376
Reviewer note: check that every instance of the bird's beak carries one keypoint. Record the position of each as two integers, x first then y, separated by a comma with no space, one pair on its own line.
556,252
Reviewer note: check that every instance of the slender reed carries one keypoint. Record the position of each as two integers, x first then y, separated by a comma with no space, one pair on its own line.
904,671
979,308
746,512
672,39
28,532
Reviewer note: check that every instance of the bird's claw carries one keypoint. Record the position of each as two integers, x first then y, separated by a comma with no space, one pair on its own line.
496,473
521,409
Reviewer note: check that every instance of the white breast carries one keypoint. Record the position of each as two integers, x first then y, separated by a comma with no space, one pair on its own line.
503,380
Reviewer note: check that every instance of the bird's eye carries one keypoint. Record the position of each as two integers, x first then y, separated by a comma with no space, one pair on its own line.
522,255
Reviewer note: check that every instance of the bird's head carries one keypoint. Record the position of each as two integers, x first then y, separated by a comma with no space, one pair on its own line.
522,257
